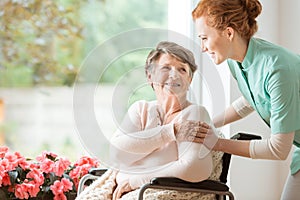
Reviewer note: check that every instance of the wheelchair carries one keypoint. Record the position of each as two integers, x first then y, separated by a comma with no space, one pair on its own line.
219,188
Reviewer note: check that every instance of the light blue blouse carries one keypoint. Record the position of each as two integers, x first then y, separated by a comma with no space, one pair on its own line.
269,78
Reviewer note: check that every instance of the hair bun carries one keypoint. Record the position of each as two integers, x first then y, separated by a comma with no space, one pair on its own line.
253,8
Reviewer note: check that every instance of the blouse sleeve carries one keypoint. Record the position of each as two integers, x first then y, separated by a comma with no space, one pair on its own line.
191,166
130,143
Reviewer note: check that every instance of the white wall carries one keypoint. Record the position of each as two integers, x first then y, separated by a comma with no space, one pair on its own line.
289,30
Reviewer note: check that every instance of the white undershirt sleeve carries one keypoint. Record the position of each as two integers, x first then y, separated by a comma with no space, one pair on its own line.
275,148
242,107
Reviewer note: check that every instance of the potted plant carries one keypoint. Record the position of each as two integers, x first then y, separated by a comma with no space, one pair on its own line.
47,177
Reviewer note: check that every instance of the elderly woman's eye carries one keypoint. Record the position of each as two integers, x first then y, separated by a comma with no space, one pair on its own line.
183,70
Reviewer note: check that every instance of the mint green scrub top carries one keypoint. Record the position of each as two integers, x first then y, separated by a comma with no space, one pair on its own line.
269,78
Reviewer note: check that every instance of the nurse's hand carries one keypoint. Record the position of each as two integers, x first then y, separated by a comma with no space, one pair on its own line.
206,135
196,131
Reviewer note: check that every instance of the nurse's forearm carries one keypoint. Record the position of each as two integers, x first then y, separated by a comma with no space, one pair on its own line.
235,147
227,117
275,148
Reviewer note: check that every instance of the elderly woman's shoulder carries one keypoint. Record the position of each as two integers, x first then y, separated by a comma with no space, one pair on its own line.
142,105
198,112
197,107
144,102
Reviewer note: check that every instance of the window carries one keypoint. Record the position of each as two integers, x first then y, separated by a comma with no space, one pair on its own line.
116,38
38,110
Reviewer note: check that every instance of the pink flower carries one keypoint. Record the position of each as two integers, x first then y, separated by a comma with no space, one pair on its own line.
31,188
60,166
34,165
76,174
46,155
83,165
23,163
6,180
87,160
67,184
36,176
2,173
59,187
47,166
12,161
6,164
26,189
32,175
3,151
18,155
21,191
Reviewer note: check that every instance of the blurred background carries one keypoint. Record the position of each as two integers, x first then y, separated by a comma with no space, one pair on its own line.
44,43
42,46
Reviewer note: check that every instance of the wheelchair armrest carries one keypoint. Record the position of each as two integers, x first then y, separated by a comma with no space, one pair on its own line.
246,136
97,171
176,182
87,179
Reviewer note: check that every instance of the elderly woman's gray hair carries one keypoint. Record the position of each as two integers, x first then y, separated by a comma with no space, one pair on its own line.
171,48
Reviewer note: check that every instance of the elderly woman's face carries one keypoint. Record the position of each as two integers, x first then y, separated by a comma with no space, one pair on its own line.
170,75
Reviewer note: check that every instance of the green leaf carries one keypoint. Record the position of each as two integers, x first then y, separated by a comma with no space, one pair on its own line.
52,178
45,189
13,175
50,157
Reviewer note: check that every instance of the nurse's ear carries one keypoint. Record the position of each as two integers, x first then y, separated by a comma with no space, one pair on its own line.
229,33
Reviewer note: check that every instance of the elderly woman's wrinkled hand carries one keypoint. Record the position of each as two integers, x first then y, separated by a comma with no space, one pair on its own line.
196,131
187,130
121,189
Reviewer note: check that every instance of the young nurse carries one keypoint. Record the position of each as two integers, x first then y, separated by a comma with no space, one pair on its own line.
268,76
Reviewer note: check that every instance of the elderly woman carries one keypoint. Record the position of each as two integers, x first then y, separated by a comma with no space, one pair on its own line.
151,140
